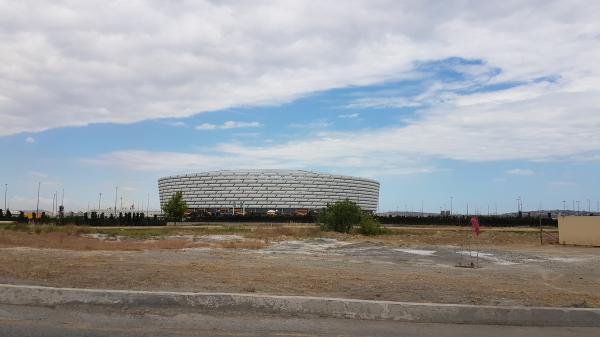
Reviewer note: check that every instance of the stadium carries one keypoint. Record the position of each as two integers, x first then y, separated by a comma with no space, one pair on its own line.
267,191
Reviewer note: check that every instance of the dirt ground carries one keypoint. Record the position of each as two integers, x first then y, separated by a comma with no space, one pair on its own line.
411,264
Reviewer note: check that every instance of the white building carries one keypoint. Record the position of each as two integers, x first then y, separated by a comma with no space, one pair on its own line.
262,190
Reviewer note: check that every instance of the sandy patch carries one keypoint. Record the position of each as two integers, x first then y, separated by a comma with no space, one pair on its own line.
421,252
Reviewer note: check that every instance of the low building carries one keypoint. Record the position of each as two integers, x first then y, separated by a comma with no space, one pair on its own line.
579,230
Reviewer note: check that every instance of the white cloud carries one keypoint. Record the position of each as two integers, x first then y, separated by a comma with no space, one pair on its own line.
228,125
65,63
520,172
206,126
489,128
178,124
237,125
29,140
349,116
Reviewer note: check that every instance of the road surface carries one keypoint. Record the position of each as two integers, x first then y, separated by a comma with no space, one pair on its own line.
94,321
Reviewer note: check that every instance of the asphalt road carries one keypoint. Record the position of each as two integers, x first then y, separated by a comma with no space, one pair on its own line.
88,321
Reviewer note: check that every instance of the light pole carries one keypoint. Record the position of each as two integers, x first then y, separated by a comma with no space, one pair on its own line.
589,207
37,206
99,200
5,193
451,199
116,193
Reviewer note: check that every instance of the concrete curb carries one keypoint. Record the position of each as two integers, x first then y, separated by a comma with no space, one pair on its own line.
302,305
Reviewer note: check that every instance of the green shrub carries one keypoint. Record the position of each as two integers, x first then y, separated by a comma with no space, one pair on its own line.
370,226
340,217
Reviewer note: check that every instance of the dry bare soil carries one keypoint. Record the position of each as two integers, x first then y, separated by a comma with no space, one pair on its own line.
410,264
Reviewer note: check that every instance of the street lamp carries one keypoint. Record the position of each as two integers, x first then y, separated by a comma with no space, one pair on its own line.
37,206
589,206
116,194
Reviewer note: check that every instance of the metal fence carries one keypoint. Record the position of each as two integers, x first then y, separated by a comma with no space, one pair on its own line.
461,220
139,219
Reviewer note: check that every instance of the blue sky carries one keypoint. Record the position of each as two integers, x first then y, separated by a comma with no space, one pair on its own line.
460,100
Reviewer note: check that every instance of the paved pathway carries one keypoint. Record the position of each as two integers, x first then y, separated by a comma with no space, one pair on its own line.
91,321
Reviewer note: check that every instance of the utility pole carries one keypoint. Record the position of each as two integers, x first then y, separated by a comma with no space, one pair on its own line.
116,192
421,208
451,199
564,205
62,202
589,207
148,205
577,207
5,194
99,201
37,207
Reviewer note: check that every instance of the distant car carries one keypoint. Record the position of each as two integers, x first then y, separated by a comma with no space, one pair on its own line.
272,212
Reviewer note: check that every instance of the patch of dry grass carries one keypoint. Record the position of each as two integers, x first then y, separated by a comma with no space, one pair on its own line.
60,240
246,244
256,237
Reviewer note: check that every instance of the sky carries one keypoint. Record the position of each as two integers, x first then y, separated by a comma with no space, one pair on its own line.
462,102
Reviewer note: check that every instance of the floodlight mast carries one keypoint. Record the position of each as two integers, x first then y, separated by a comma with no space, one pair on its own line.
37,207
116,197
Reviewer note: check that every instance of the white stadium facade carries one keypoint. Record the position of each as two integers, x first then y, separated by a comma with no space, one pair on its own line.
261,191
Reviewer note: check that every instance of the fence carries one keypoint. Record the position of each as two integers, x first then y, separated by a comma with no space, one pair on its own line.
91,219
460,220
139,219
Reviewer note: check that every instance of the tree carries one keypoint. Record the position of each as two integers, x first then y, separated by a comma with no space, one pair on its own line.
176,207
370,226
340,217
